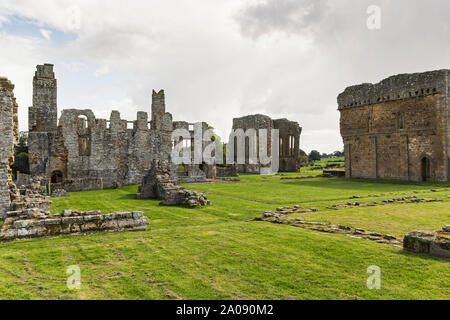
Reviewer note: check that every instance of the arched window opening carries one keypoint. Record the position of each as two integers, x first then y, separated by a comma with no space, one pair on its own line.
82,122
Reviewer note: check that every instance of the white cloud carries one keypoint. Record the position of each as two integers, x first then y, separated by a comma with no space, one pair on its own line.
46,33
3,19
104,69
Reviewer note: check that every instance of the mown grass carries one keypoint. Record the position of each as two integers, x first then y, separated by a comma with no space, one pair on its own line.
213,253
330,163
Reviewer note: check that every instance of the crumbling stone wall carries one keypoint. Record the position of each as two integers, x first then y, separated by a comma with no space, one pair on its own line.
12,198
81,152
398,128
8,138
42,119
193,173
159,184
290,132
289,135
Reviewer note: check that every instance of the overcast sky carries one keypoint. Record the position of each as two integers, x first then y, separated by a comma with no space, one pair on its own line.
219,59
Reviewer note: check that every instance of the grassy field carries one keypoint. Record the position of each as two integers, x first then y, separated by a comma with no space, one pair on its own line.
213,253
326,163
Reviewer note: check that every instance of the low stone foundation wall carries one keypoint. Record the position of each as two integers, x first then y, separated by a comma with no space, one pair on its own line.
282,216
402,200
35,223
436,243
325,175
226,171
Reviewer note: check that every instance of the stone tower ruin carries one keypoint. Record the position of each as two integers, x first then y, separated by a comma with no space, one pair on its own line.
42,119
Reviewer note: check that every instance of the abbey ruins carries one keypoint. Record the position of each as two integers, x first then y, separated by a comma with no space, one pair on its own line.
81,152
289,142
398,128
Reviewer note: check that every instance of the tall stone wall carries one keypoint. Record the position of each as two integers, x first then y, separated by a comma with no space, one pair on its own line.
192,173
114,153
43,114
8,138
290,132
42,120
398,128
289,135
256,122
81,152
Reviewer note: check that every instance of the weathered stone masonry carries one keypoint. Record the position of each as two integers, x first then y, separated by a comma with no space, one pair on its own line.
34,223
289,135
398,128
8,138
11,198
81,152
158,184
192,173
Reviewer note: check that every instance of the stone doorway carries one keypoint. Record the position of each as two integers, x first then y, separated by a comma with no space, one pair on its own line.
57,177
425,169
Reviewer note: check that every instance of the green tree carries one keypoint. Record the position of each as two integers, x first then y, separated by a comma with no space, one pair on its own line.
303,158
314,155
21,156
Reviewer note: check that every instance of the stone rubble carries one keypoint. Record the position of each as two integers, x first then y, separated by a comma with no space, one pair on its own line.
413,199
281,217
398,193
59,193
158,184
290,210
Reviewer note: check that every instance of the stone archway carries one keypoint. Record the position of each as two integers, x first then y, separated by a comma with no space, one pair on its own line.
57,177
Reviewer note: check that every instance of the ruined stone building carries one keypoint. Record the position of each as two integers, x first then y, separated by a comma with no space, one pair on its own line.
398,128
289,142
187,173
12,199
81,152
8,138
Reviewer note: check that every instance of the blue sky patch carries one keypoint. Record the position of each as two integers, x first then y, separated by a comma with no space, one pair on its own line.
25,27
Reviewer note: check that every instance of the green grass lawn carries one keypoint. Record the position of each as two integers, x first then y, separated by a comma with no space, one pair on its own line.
330,163
213,253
